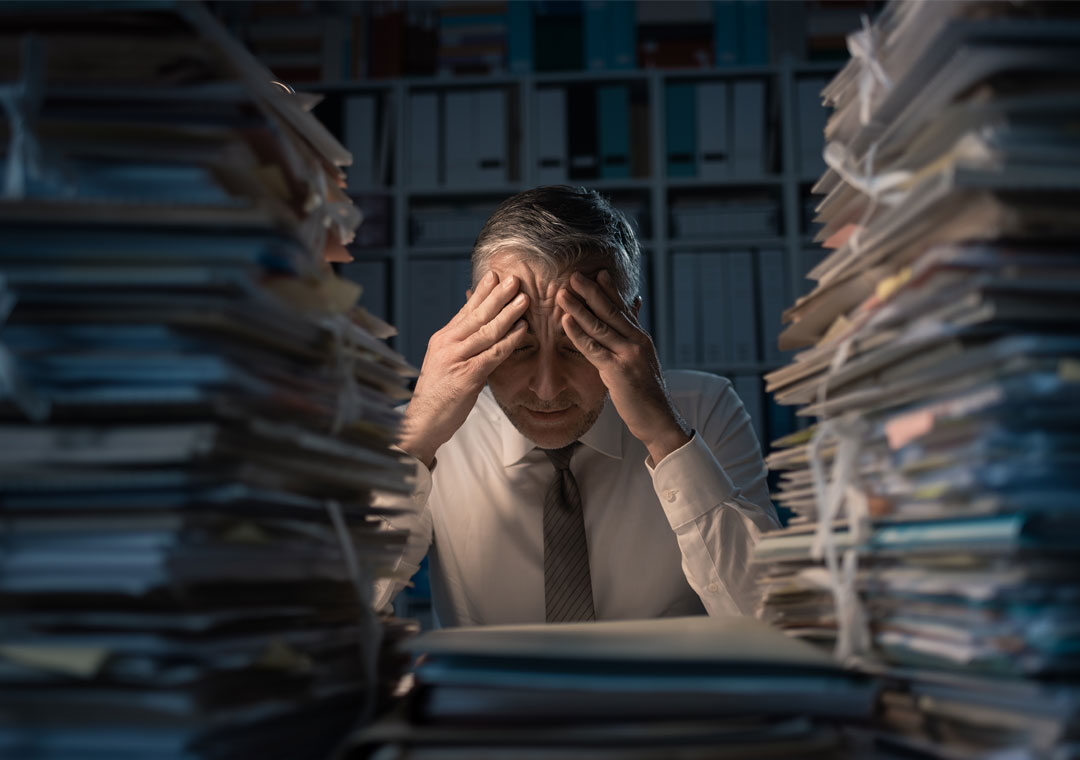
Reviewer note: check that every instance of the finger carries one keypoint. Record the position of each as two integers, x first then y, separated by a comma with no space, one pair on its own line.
600,304
474,298
590,348
596,328
496,354
480,311
607,282
492,331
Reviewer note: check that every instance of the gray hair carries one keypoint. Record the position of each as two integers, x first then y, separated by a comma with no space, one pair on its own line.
563,229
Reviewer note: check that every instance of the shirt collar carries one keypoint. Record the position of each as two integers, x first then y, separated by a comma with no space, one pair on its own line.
605,436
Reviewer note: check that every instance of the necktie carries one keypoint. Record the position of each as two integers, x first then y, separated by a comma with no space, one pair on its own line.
567,584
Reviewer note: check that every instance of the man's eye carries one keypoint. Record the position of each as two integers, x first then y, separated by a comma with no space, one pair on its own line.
523,349
572,351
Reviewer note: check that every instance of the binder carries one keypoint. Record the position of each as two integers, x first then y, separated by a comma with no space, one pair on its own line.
726,32
716,327
684,290
712,131
622,35
460,160
748,137
489,128
640,141
559,36
613,135
680,123
742,304
424,139
359,130
581,132
772,300
597,44
519,37
551,135
753,18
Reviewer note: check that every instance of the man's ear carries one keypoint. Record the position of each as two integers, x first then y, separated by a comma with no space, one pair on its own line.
468,294
636,306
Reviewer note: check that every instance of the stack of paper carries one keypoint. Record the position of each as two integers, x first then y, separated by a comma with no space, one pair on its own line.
194,412
681,687
937,529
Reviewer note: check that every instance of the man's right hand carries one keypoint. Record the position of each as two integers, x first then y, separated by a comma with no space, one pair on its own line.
458,361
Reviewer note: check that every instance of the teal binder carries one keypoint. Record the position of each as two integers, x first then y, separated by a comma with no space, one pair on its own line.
622,34
519,34
753,17
597,44
679,122
726,32
613,130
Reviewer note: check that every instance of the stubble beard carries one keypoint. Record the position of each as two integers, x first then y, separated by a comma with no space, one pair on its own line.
552,438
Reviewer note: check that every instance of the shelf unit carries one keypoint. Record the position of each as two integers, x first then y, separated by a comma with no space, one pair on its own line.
788,184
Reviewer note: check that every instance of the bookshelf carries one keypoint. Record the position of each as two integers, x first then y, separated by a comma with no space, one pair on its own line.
431,220
696,192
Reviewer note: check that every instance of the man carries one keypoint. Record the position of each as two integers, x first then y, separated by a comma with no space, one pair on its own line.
546,363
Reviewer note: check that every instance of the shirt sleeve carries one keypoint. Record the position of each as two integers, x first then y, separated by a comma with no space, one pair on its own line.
416,519
713,491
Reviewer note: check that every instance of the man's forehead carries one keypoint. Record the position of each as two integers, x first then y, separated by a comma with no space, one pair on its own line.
536,273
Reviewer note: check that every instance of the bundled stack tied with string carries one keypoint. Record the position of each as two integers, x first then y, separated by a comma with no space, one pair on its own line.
195,412
937,541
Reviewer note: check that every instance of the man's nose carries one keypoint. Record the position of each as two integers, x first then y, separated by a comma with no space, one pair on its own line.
547,380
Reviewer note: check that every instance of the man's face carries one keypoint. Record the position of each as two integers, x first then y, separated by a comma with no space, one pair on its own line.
547,389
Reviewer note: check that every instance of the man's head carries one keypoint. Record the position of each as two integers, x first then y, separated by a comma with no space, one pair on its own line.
548,390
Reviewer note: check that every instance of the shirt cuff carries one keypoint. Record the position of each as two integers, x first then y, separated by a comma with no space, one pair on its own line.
690,482
422,486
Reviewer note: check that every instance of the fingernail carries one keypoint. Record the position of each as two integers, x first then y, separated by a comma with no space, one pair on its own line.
518,299
489,278
508,283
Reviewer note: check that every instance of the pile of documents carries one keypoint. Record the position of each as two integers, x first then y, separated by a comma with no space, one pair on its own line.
194,412
938,536
678,687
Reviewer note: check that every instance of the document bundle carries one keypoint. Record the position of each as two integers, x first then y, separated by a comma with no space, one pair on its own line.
194,411
678,687
937,537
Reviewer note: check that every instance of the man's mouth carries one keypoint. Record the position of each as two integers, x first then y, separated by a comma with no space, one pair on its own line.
548,414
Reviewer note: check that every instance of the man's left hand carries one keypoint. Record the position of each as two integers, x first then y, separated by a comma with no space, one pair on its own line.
608,334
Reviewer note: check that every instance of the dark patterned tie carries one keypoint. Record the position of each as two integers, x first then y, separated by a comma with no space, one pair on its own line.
567,584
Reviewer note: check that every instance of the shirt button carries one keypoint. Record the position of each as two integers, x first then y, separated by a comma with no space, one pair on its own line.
713,588
671,494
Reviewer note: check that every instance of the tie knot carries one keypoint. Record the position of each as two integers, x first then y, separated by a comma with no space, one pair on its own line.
561,457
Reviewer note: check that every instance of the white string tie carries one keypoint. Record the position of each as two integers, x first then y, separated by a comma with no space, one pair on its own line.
863,47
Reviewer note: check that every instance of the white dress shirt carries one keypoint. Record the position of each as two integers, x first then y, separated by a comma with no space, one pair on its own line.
674,539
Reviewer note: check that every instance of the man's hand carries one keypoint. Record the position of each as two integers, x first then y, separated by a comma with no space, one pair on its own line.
607,332
458,361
